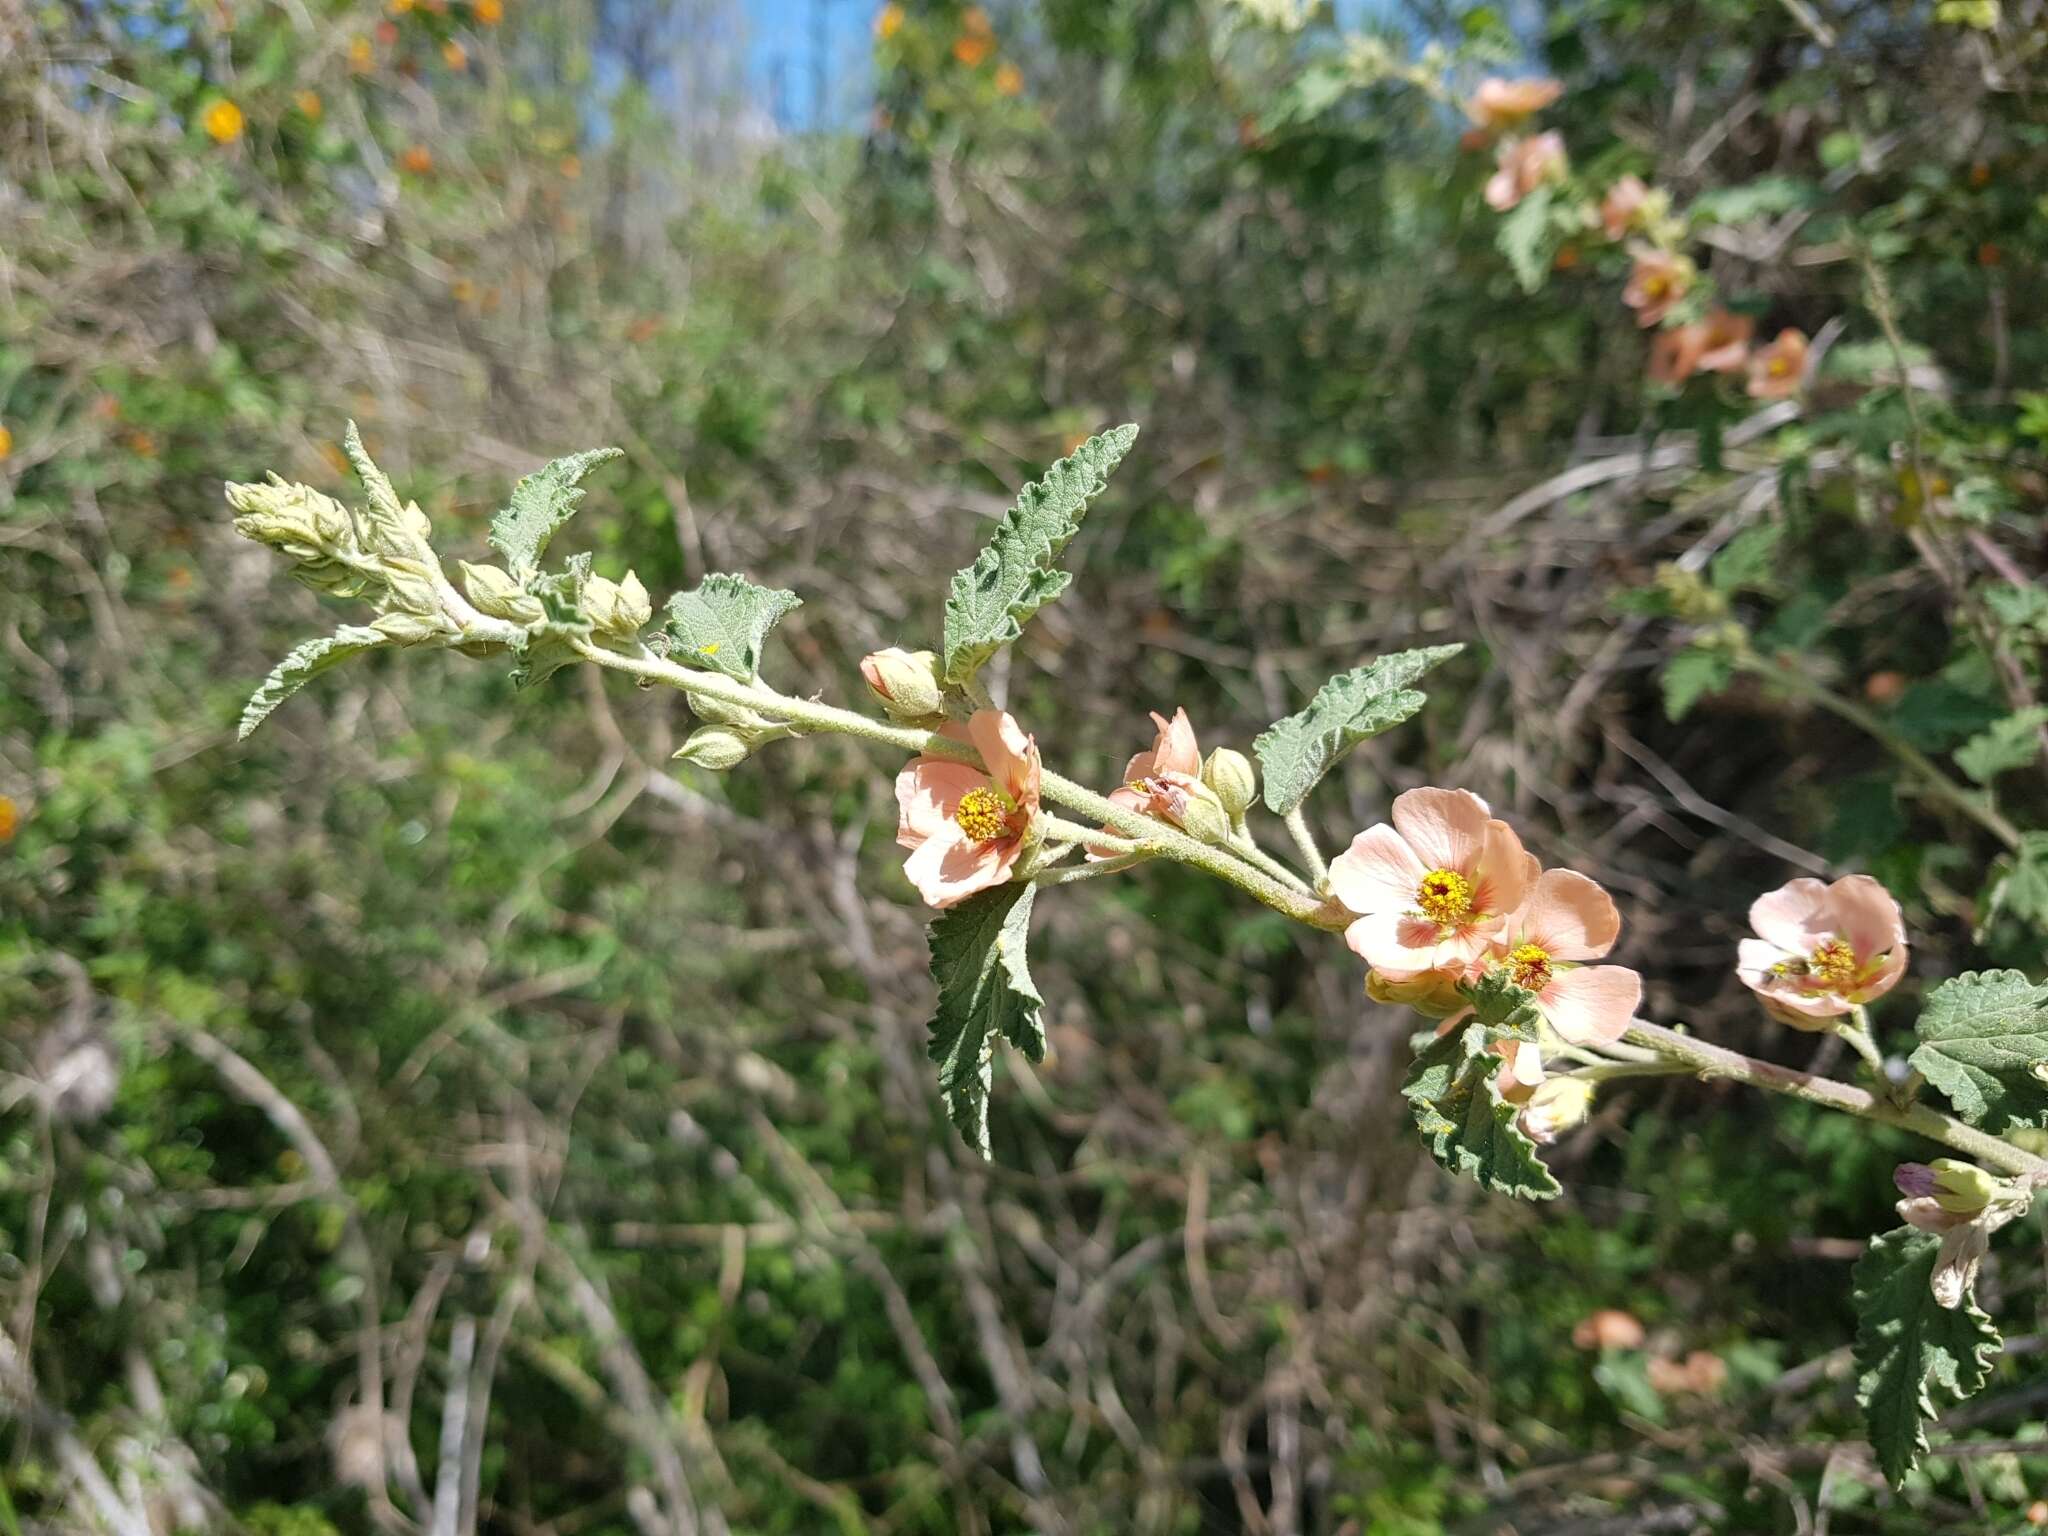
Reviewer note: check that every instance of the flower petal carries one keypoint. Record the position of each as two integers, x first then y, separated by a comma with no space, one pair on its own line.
928,791
1569,915
1010,756
1796,916
1592,1004
1866,915
1175,749
1394,941
1754,959
1379,872
1503,872
1445,827
946,870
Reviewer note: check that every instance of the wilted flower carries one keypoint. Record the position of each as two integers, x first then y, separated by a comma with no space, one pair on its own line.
222,121
1621,210
1164,781
1564,921
1775,371
1432,993
1964,1205
1523,165
905,682
1500,104
966,828
1431,889
1822,949
1658,281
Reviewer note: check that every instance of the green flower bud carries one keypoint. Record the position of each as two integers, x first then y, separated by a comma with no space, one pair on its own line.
617,607
496,593
714,747
1963,1188
906,682
1557,1105
406,628
1236,783
1195,806
1433,993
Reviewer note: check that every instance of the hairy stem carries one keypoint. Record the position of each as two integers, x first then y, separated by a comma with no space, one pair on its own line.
1718,1061
1305,844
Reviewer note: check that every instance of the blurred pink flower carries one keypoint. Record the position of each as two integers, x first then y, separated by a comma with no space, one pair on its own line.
1776,371
1523,165
1564,921
1621,209
1431,889
1822,949
1499,104
1659,279
966,828
1724,342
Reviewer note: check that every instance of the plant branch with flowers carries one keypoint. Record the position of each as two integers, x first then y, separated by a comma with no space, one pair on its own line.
1447,910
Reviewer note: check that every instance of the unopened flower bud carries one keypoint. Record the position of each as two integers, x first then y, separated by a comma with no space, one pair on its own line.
1192,806
406,628
1963,1189
1231,776
496,593
738,716
1690,597
1433,993
617,607
714,747
906,682
1559,1104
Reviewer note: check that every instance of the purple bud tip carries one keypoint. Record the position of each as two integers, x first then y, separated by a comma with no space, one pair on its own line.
1915,1180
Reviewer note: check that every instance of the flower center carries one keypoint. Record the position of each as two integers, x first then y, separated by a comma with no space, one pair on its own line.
1834,962
1529,966
983,814
1445,896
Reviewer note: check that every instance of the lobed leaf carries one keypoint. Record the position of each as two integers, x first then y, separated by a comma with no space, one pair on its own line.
979,962
1908,1346
1352,707
541,503
991,600
1452,1093
1528,238
306,662
2006,744
720,625
1984,1043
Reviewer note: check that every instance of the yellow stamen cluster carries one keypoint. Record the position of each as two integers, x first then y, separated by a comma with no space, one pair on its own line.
982,815
1529,966
1834,962
1445,897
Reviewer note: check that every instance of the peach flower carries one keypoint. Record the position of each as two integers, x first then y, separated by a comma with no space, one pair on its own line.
1563,922
1621,210
1658,281
1499,104
966,828
1822,949
1724,341
1430,890
1523,165
1776,371
1157,782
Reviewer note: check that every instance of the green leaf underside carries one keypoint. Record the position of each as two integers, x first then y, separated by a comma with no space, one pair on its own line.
306,662
1013,577
719,626
985,990
1525,237
1907,1346
541,503
1982,1034
1351,707
1469,1128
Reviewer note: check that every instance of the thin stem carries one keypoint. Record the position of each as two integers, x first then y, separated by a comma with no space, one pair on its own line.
1718,1061
1976,807
1856,1030
1610,1071
1305,844
810,715
1115,866
1089,837
1247,849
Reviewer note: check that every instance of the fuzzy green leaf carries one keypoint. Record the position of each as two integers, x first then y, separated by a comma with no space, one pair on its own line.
1690,676
1984,1043
541,503
985,990
720,625
1351,707
1014,576
306,662
1451,1091
1528,239
1907,1345
2006,744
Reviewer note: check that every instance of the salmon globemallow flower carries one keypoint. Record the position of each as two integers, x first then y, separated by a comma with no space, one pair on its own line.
1822,949
966,828
1656,283
1775,371
1523,165
1621,210
1165,781
1432,889
1565,921
1500,104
